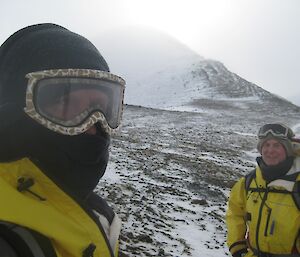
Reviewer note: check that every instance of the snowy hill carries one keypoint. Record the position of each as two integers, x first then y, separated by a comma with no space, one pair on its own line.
165,74
183,86
135,52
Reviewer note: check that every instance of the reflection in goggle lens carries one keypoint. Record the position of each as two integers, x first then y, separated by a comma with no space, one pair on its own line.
69,101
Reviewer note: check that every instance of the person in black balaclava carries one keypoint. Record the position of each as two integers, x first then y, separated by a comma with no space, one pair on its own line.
59,104
263,216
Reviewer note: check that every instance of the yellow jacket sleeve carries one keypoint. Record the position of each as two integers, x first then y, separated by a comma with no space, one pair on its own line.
235,218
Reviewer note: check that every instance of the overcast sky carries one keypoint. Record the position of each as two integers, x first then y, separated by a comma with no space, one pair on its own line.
257,39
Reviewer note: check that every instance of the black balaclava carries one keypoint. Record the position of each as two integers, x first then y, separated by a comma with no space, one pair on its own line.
76,163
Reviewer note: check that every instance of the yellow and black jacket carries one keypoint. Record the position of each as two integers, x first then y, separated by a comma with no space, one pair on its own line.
265,218
34,209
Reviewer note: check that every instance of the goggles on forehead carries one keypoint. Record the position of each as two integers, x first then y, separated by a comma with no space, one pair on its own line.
70,101
277,130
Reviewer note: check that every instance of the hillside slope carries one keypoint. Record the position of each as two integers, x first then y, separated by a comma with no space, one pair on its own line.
163,73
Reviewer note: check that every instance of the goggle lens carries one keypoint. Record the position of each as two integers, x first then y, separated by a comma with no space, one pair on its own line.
70,101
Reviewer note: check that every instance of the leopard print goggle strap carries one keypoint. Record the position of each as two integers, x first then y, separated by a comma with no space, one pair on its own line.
70,101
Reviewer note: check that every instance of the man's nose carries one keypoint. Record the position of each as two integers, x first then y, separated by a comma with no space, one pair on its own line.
271,149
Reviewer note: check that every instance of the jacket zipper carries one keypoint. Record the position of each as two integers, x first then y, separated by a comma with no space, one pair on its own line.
259,218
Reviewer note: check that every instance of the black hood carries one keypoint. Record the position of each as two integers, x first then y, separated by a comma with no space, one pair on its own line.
75,162
35,48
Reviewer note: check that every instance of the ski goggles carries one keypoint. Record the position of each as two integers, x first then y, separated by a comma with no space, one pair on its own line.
70,101
277,130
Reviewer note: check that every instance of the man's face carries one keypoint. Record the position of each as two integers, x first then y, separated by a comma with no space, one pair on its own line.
273,152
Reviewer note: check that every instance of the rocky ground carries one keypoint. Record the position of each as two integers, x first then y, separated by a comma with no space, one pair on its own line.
170,174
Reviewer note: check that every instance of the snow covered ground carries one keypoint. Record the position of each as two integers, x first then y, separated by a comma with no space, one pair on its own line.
170,174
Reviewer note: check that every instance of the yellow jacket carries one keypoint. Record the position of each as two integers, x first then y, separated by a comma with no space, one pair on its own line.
265,221
45,208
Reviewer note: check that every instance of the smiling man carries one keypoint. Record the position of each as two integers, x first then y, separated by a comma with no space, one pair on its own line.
263,216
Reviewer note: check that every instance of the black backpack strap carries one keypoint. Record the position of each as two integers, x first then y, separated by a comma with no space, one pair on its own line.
98,204
45,244
248,179
296,194
6,249
26,242
100,207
